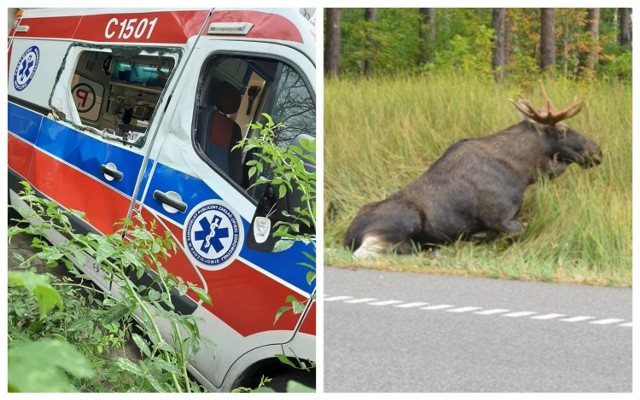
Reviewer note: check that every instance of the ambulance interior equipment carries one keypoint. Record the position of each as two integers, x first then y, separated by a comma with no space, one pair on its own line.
116,91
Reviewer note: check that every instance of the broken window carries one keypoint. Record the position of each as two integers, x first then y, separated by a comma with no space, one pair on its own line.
115,91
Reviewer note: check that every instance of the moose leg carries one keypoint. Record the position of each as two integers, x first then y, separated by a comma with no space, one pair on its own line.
512,227
376,245
389,227
500,216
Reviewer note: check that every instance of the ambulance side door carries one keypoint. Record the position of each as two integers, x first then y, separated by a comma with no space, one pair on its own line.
201,191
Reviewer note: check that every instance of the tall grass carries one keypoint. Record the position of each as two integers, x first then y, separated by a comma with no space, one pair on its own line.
380,134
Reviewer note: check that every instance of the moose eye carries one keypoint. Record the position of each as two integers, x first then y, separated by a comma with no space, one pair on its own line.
562,131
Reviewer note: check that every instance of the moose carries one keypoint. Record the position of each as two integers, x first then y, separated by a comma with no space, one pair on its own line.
477,185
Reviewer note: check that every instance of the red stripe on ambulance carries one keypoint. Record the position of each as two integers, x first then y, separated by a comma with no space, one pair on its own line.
236,291
61,182
152,27
19,155
156,27
50,27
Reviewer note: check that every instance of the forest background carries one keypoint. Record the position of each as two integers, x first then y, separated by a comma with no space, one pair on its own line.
506,43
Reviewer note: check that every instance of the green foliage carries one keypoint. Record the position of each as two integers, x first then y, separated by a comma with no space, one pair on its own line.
468,53
284,169
38,285
96,324
577,227
464,42
40,366
391,27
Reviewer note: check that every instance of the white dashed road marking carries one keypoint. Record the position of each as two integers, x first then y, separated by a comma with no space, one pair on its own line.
577,319
385,303
549,316
492,311
356,301
337,298
607,321
463,309
519,314
480,311
409,305
438,307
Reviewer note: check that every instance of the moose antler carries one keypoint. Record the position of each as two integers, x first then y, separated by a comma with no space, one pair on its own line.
551,115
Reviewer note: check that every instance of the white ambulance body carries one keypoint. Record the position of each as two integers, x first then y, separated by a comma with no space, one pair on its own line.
115,112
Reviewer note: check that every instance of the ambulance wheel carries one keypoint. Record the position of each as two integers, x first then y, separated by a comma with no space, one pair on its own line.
279,382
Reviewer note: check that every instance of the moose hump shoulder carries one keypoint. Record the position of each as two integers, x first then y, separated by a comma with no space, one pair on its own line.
476,185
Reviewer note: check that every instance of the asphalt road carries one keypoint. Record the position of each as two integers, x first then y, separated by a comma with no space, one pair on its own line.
404,332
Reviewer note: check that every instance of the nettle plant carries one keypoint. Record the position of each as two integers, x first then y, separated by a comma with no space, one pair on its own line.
133,250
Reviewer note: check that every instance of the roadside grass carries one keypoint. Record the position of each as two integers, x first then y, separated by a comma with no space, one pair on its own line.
381,134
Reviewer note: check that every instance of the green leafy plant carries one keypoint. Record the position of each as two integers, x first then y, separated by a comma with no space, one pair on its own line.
283,168
40,366
134,250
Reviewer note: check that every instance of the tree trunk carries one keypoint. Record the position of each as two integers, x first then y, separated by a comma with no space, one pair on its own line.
547,38
624,20
565,45
427,34
369,42
332,43
588,58
499,59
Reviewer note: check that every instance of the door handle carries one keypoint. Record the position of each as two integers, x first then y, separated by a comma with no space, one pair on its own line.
111,172
170,199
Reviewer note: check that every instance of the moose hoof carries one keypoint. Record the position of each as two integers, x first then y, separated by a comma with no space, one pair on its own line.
371,246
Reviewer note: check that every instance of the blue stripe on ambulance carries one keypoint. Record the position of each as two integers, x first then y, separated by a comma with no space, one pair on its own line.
23,122
75,148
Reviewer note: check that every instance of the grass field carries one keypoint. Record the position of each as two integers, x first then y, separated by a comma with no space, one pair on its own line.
380,134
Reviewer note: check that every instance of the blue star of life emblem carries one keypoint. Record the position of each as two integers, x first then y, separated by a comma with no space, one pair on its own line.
26,68
213,235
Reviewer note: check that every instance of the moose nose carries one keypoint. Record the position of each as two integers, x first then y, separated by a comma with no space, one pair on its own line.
594,158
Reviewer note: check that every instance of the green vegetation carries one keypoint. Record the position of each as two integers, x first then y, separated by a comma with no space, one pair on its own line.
398,40
84,321
382,133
